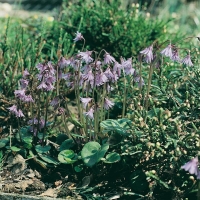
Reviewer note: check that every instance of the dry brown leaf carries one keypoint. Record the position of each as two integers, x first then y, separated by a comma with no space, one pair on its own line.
57,183
24,184
51,192
17,163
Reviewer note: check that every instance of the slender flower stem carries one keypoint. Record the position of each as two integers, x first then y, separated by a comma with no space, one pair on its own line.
140,73
102,102
73,46
10,134
77,93
66,127
86,120
38,116
96,122
45,120
57,82
124,100
20,137
148,87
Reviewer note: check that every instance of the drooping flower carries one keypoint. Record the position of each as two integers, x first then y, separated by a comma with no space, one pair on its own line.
33,121
55,101
98,65
19,113
78,37
191,166
115,77
85,101
187,60
20,93
34,124
100,78
138,79
148,54
50,79
167,51
66,76
109,88
61,110
25,73
117,68
175,56
40,67
28,98
90,113
50,87
108,59
24,83
127,66
108,104
42,123
63,62
86,68
109,74
86,56
50,71
42,85
13,109
89,77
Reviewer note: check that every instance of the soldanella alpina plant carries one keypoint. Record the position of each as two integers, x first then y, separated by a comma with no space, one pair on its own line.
155,58
93,77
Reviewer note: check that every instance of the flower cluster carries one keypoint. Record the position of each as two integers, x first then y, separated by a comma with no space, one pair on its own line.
22,95
17,112
46,76
90,74
171,51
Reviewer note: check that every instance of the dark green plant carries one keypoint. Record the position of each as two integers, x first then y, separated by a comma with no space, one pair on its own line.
110,26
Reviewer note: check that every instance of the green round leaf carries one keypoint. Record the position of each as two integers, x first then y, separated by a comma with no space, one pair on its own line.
42,149
67,157
13,148
112,158
27,145
67,144
3,142
48,159
25,134
92,153
78,168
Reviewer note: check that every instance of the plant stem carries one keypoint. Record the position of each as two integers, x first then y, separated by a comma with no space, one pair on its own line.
66,127
38,116
77,93
45,120
124,100
102,102
57,82
20,137
148,87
